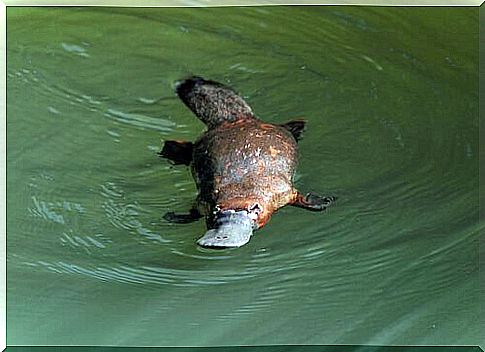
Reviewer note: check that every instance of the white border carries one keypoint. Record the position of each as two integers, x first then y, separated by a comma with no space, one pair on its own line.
158,3
3,178
225,3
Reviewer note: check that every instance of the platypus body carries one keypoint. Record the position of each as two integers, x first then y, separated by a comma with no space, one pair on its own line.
243,167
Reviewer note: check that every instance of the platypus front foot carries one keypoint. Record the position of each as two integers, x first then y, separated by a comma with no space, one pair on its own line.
314,202
178,152
175,218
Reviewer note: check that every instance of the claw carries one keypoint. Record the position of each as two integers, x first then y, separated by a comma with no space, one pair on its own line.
314,202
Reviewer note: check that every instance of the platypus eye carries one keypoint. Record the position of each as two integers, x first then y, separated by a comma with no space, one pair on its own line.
217,208
256,208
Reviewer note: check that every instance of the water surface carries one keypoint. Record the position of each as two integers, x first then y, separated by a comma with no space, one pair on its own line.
391,100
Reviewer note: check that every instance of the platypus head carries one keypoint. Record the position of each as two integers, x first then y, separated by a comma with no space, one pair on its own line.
212,102
231,229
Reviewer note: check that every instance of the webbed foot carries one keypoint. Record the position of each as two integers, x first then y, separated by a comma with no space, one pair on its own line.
296,127
192,216
313,202
179,152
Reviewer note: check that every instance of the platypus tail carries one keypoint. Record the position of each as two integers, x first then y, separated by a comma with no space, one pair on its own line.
212,102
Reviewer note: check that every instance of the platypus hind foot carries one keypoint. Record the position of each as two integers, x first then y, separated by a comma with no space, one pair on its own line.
231,229
313,202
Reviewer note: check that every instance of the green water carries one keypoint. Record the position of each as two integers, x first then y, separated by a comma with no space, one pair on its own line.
391,100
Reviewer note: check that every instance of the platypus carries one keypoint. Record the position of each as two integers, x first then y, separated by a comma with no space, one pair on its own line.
243,167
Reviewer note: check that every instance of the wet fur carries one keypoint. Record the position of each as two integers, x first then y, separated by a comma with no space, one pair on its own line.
212,102
240,162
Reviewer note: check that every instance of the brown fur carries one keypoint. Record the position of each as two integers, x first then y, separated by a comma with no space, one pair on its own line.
238,165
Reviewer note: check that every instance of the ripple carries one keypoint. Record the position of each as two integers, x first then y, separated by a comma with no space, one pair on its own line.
53,110
146,275
110,189
122,216
75,49
45,210
88,242
375,64
141,121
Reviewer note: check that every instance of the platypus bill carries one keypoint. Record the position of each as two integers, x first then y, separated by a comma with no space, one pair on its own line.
243,167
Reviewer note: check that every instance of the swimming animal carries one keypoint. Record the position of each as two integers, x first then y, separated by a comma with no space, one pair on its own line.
243,167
